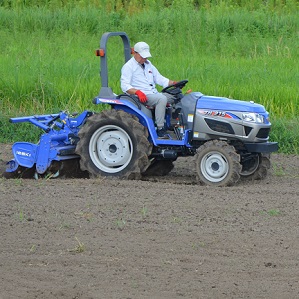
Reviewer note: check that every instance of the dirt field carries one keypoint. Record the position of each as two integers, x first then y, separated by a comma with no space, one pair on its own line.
162,238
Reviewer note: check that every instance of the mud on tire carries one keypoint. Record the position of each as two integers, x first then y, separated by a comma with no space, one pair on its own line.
114,144
261,164
218,164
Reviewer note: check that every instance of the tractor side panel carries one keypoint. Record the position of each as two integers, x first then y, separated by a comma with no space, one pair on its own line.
212,120
208,126
188,108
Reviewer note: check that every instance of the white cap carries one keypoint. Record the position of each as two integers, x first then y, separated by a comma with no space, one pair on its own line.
143,49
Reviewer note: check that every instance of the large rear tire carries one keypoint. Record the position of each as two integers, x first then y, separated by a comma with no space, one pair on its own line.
218,164
114,144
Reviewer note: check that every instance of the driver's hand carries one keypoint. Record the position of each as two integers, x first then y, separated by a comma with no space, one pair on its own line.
173,82
141,96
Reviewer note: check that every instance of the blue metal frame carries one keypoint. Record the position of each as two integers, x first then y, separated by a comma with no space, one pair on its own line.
127,106
59,130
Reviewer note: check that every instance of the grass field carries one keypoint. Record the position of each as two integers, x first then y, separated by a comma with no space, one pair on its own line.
233,49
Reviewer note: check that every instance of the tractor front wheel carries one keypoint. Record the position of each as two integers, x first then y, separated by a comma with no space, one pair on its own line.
218,164
257,167
114,144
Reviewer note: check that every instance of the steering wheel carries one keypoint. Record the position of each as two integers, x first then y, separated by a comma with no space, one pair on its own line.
175,88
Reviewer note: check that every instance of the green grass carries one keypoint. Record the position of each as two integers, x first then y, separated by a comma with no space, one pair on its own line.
272,212
79,248
238,49
287,132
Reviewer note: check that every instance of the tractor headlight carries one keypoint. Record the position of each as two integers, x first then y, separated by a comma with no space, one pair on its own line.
253,117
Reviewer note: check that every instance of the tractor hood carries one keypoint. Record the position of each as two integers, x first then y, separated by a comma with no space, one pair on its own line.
220,103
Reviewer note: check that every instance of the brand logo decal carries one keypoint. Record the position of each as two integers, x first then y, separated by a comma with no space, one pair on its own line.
110,101
24,154
215,113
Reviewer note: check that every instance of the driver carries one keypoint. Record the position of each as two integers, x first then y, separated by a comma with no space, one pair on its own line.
139,77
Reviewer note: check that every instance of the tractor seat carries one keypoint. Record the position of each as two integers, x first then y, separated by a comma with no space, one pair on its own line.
134,99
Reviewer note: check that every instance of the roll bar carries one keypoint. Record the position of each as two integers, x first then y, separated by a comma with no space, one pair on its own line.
106,91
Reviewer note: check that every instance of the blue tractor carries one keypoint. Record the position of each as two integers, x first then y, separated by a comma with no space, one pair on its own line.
229,139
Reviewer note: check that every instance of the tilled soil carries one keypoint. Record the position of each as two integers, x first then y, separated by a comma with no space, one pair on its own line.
164,237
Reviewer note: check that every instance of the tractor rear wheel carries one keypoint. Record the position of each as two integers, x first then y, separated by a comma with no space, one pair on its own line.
114,144
218,164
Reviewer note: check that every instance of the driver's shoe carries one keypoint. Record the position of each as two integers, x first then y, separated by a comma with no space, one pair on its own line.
162,134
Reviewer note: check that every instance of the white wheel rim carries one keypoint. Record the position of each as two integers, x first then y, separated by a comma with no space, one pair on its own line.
214,167
111,149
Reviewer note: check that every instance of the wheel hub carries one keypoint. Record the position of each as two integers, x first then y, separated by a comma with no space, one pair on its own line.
214,167
110,149
113,148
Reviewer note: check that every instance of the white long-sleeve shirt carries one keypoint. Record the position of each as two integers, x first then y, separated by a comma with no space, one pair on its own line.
133,75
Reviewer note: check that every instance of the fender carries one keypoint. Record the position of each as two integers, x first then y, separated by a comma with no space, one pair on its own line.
128,107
